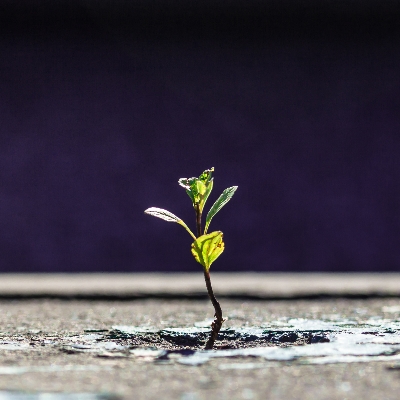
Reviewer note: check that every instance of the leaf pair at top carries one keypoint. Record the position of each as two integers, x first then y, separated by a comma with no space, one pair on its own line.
198,189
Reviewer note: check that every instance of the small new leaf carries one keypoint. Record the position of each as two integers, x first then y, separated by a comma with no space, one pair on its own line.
221,201
207,248
198,189
168,216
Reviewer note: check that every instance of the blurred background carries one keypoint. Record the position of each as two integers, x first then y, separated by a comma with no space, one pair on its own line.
105,104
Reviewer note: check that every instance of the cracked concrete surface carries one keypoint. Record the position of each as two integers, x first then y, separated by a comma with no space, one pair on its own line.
69,347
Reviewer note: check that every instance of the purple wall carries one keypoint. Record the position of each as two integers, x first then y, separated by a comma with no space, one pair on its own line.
102,110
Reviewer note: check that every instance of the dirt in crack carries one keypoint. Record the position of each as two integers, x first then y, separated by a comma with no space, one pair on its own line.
195,338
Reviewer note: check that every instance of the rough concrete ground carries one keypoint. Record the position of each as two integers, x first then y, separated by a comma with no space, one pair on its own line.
43,362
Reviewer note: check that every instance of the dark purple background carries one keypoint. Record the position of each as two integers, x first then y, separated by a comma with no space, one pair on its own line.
103,109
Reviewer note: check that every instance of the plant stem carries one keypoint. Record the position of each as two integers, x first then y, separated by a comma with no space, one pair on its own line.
217,323
198,220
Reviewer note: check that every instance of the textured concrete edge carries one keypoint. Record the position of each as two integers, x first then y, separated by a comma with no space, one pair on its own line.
241,285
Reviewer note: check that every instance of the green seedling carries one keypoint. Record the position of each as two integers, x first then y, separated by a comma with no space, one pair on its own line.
207,247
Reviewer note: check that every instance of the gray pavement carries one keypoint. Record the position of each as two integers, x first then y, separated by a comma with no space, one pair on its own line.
50,346
251,284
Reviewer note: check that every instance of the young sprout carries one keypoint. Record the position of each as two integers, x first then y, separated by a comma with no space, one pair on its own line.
207,247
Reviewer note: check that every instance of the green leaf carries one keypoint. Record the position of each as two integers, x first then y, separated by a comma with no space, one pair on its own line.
163,214
207,248
187,183
206,194
221,201
206,176
168,216
198,189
